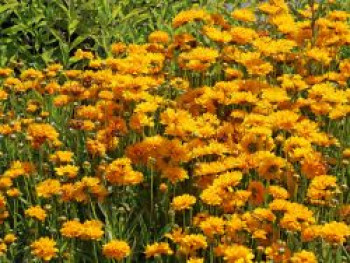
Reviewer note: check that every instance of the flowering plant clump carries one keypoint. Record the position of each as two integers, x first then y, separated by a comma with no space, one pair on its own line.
224,139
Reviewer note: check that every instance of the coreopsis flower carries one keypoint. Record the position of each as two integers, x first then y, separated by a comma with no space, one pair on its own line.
189,244
183,202
217,35
120,172
278,192
238,253
335,232
92,230
48,188
2,201
174,174
344,212
322,189
313,165
71,229
5,72
273,7
232,73
297,217
31,74
96,148
293,82
278,252
244,15
71,171
158,249
263,214
253,142
10,238
80,54
5,182
243,35
234,225
3,95
18,168
320,55
36,212
269,165
159,37
116,249
346,153
62,157
61,100
276,48
212,226
39,133
304,257
211,196
310,233
190,15
195,260
297,148
118,48
44,248
258,192
198,59
3,248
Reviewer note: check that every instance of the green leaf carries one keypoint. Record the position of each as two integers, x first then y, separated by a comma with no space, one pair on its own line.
73,26
78,41
4,8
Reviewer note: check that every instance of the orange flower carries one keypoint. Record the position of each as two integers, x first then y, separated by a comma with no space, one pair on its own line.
116,249
258,191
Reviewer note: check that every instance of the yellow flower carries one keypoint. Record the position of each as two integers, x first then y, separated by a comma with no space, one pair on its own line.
5,72
195,260
71,229
335,232
320,55
244,15
217,35
92,229
190,243
39,133
80,54
3,248
44,248
212,226
346,153
322,189
118,48
3,95
157,249
190,15
183,202
62,156
304,257
243,35
71,171
159,37
48,188
238,253
199,58
278,192
36,212
116,249
120,172
10,238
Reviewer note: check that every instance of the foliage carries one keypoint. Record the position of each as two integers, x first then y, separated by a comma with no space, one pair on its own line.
36,32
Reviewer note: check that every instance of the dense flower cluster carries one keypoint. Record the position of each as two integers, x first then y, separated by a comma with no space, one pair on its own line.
224,141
